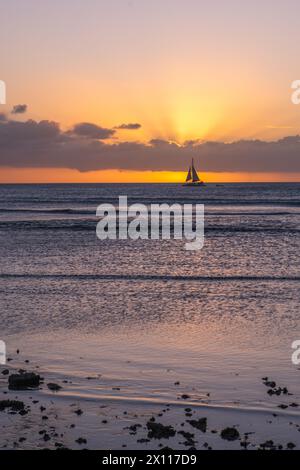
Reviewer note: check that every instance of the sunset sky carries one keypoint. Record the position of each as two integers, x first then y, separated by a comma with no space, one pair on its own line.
182,78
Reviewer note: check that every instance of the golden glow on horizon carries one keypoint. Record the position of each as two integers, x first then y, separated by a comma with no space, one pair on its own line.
58,175
170,105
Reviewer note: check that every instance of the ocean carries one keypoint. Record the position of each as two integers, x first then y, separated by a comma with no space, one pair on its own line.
130,327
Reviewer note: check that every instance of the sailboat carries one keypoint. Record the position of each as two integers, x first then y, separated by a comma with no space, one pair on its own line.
192,178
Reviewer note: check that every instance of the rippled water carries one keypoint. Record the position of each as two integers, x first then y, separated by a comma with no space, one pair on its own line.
147,313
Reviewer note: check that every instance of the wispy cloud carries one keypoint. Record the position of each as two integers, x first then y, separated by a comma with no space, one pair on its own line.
129,126
19,109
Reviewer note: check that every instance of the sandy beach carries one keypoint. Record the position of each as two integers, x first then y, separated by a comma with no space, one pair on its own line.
100,411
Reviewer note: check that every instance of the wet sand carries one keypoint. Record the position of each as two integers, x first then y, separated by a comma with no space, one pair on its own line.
42,418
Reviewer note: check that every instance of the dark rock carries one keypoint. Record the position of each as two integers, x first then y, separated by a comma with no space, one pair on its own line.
134,427
244,444
200,424
54,387
185,396
188,436
78,412
270,384
5,372
230,434
13,405
290,445
46,437
81,440
23,381
159,431
268,445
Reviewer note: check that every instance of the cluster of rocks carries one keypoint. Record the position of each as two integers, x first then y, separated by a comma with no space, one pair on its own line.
24,380
273,389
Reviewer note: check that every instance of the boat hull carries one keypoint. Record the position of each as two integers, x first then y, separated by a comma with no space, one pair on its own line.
194,185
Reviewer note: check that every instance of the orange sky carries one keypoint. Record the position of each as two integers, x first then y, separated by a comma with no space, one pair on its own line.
184,71
53,175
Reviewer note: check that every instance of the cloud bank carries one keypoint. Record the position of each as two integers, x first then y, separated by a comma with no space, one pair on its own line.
44,145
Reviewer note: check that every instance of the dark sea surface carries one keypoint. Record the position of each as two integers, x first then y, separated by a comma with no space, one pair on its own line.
145,314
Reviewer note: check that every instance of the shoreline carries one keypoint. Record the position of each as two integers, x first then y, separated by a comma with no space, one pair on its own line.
57,420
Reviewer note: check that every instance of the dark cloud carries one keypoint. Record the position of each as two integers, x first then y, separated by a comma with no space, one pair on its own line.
14,133
191,143
130,126
44,144
87,129
19,109
159,142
